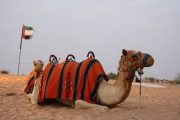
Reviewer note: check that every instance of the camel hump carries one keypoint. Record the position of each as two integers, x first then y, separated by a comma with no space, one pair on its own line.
90,54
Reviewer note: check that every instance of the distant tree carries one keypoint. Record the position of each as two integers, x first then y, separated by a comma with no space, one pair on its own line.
112,75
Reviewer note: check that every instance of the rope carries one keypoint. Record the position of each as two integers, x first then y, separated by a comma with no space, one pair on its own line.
140,72
137,110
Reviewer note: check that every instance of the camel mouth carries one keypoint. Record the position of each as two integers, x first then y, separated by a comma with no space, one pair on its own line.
148,60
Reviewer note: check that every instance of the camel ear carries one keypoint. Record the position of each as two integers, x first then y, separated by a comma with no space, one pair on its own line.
34,62
124,52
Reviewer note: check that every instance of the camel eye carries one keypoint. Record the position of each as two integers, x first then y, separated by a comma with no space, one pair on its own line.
134,56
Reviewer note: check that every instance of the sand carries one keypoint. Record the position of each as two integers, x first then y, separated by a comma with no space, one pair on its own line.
152,85
156,104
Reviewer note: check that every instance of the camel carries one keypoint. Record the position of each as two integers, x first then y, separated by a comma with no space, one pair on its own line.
109,95
31,89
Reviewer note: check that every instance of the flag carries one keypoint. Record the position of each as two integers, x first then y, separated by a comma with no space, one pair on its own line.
27,32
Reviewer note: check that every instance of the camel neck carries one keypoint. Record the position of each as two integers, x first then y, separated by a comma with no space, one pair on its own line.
125,77
124,83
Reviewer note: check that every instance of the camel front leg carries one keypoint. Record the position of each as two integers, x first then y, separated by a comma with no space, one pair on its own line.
80,104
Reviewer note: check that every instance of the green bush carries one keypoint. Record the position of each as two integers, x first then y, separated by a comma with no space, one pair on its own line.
112,75
4,72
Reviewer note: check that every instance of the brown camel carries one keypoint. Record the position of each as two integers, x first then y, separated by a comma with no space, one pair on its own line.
109,95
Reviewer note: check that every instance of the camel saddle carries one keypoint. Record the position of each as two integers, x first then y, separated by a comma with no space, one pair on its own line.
70,80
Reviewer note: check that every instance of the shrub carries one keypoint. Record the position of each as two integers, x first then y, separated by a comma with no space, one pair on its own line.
112,75
151,79
4,72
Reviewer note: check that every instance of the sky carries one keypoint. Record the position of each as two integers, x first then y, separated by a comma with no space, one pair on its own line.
103,26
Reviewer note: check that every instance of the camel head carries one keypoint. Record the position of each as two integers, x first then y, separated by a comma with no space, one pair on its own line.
132,60
38,65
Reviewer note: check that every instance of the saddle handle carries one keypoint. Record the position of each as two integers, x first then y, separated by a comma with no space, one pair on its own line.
70,57
90,54
53,59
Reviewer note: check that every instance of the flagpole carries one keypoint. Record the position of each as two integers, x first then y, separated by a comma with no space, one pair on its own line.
20,50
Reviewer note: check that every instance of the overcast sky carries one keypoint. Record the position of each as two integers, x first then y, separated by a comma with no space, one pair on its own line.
103,26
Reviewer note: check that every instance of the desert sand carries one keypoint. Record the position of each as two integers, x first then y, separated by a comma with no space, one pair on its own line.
156,104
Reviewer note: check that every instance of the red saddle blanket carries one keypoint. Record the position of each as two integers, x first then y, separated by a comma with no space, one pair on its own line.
70,81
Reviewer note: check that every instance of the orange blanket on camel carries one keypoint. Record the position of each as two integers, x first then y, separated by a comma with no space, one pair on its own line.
70,81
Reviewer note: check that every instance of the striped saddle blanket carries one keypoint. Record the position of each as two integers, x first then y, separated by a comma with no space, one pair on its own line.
70,81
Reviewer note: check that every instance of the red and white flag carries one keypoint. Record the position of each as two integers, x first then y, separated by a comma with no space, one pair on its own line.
27,32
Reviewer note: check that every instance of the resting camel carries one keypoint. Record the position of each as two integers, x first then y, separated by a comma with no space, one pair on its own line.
35,74
105,95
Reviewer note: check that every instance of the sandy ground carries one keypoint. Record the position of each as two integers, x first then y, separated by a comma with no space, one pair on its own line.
156,104
153,85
